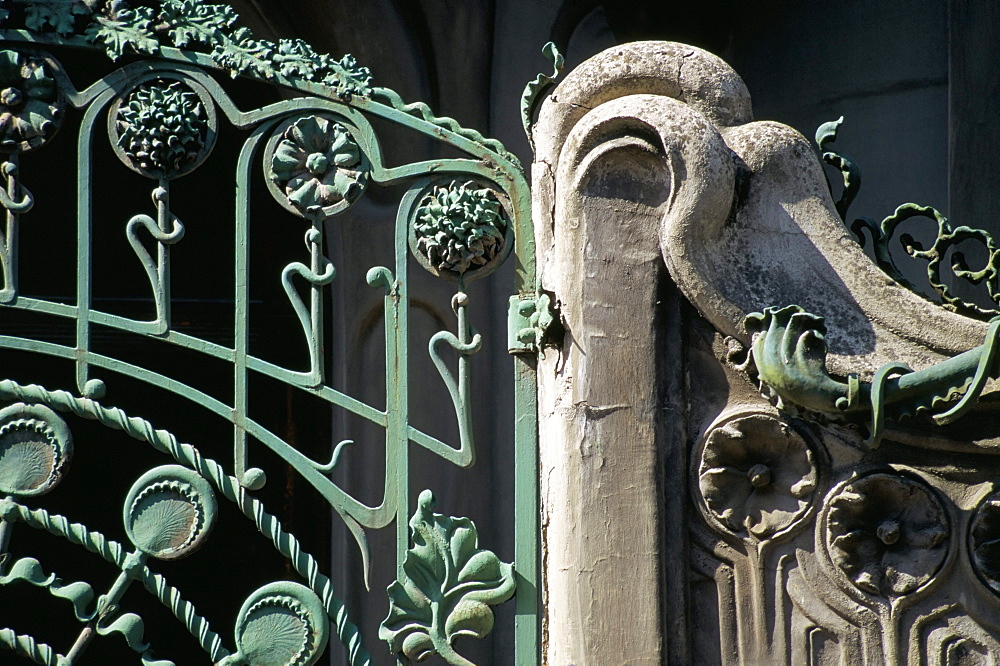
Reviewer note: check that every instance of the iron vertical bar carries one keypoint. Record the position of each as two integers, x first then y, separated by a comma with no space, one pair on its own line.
8,245
398,431
84,267
397,380
526,518
163,221
6,527
527,524
317,344
241,298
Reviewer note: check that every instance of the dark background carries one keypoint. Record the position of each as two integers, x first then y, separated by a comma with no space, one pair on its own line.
915,81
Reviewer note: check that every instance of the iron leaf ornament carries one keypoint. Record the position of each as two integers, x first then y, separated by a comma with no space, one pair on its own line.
447,588
459,227
30,105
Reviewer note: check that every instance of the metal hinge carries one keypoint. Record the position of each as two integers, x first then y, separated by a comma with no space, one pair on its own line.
532,324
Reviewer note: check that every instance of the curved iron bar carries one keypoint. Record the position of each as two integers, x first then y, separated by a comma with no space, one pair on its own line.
349,98
129,625
825,135
80,594
506,170
26,203
185,454
947,237
465,455
241,119
308,318
788,355
156,269
343,503
8,235
274,112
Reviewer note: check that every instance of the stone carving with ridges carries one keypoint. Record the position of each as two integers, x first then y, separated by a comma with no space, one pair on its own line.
887,533
757,475
984,540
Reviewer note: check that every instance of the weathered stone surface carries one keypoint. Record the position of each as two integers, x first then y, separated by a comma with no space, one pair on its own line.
651,175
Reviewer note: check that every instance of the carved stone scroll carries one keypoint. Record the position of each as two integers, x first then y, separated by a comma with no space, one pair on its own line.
688,518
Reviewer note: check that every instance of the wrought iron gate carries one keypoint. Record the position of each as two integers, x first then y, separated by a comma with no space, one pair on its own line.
316,151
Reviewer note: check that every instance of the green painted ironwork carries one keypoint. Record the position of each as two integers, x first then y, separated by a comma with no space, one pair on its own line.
448,587
459,218
950,243
788,356
538,86
788,347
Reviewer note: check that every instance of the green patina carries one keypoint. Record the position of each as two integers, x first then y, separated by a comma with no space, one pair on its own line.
788,356
950,243
459,227
788,348
448,587
459,217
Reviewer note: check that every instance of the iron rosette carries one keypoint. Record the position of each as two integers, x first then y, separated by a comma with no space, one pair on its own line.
459,227
315,164
164,126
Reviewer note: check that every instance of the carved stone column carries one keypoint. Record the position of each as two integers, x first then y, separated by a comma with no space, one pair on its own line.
687,518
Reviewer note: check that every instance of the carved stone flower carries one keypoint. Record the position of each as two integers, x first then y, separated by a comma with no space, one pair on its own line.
459,227
30,108
887,533
757,474
984,541
162,129
318,165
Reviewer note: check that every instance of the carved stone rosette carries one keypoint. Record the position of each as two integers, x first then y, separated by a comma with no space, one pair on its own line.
757,475
984,541
886,533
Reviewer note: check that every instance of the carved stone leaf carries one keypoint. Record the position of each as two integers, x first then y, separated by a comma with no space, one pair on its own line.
447,589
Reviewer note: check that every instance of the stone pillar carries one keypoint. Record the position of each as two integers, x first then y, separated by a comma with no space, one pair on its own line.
664,217
601,187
